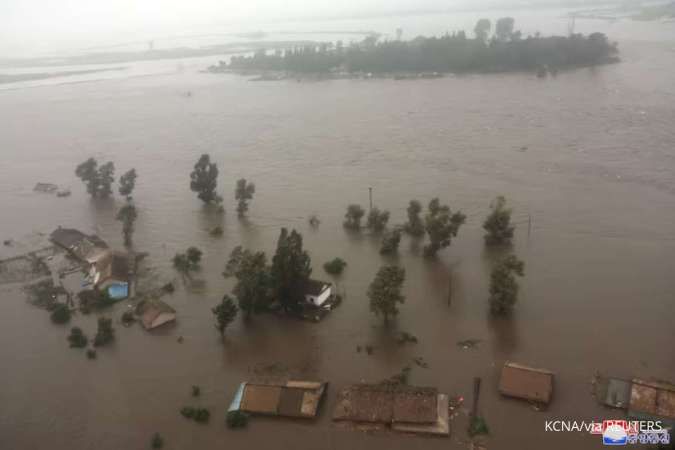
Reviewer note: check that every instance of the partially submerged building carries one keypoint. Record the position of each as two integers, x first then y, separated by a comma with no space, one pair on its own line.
154,313
300,399
642,399
407,409
317,292
88,249
113,274
528,383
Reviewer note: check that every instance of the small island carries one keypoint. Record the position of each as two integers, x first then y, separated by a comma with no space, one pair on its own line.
505,50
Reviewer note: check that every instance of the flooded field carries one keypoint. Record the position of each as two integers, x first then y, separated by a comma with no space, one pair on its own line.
586,159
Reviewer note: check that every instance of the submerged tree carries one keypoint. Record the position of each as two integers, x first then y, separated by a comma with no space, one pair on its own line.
60,314
390,242
441,225
243,193
482,29
377,220
335,266
385,292
97,179
253,279
105,332
127,215
503,284
76,338
498,223
204,180
225,312
415,225
291,268
504,28
128,183
187,262
353,217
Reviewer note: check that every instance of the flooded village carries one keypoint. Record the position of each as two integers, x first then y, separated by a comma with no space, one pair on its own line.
354,253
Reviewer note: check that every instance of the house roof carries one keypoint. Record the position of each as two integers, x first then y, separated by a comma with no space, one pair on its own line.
653,397
315,287
526,382
149,310
416,405
262,399
293,399
82,246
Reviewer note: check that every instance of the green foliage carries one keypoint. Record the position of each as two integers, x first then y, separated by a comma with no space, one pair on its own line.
377,220
196,391
77,338
482,29
60,314
128,318
236,419
353,217
441,226
93,299
253,279
97,179
128,183
498,223
385,291
390,242
156,442
217,231
105,332
455,53
187,262
243,193
204,180
91,353
335,266
201,415
478,426
503,284
291,268
225,312
415,225
127,215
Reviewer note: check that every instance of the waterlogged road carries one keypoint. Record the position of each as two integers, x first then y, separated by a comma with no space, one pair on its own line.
586,158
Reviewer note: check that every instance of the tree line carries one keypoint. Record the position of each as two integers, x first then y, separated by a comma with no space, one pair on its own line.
505,50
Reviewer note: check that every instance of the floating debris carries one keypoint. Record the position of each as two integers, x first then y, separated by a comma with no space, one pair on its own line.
469,343
405,338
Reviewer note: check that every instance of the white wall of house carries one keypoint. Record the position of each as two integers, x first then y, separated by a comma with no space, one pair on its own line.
320,299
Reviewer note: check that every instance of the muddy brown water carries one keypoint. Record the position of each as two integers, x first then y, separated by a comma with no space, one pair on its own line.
587,155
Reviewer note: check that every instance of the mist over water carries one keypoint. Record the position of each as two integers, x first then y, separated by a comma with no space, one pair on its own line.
586,157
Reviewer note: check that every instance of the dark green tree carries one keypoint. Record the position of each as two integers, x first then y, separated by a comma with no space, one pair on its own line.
157,442
441,226
187,262
498,223
504,28
377,220
390,242
385,292
128,183
204,180
243,193
253,280
415,224
225,313
105,332
97,179
60,314
127,215
77,338
335,266
504,286
482,29
353,217
291,268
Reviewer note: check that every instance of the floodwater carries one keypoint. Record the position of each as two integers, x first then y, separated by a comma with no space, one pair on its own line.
586,159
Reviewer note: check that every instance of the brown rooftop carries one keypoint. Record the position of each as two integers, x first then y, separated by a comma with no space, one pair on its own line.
525,382
416,405
261,399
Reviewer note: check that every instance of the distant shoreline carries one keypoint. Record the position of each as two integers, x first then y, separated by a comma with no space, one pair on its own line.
15,78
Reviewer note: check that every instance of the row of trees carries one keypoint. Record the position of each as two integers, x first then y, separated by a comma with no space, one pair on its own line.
505,50
204,181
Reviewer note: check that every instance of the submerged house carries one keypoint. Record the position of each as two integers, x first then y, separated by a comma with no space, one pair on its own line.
88,249
299,399
154,313
113,273
528,383
316,292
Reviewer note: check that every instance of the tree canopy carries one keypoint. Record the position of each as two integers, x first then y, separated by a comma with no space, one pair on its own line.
225,313
105,332
204,180
291,268
187,262
497,224
503,284
441,225
127,215
253,279
377,220
243,193
385,292
98,179
415,225
353,217
390,242
127,183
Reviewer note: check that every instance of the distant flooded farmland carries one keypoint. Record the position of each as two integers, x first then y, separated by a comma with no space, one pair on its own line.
586,160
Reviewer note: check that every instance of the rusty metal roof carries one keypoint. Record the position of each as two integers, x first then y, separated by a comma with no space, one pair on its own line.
525,382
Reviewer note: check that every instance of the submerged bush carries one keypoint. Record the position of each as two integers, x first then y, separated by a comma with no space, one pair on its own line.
77,338
236,419
91,353
157,442
60,314
335,266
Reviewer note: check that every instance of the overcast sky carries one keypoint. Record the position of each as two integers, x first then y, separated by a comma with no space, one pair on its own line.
32,26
